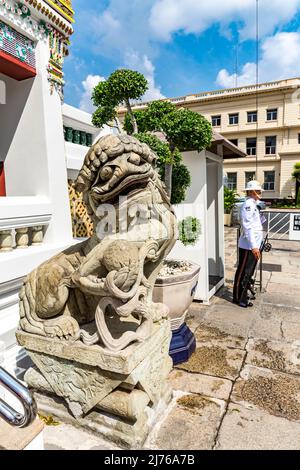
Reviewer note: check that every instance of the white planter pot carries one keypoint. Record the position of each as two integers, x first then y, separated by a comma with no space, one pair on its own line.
227,220
177,292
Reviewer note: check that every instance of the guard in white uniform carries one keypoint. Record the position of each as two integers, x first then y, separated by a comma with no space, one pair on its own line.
250,244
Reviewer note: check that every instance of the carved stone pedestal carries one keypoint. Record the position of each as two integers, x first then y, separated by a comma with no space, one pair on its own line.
118,395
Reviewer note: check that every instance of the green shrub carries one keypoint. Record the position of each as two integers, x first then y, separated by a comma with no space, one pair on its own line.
189,230
181,177
230,196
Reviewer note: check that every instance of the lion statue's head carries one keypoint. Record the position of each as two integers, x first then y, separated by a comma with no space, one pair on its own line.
114,166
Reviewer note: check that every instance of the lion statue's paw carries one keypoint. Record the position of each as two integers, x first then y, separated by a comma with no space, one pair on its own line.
64,326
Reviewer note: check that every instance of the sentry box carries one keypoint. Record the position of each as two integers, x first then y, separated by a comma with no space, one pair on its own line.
205,201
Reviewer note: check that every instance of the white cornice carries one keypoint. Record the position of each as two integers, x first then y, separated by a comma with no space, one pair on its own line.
10,287
19,222
225,94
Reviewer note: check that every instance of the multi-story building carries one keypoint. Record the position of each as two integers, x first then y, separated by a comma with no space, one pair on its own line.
264,121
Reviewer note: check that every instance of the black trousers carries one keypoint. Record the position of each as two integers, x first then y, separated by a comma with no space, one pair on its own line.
243,275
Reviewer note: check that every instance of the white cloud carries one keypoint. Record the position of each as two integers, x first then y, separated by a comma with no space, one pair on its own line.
195,16
131,32
123,31
144,65
88,85
123,26
279,59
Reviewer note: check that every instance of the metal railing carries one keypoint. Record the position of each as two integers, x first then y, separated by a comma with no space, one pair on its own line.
16,388
277,225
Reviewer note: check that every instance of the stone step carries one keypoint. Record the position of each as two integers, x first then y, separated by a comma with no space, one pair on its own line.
30,438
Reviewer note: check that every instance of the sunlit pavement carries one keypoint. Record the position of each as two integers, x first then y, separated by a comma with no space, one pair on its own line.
240,390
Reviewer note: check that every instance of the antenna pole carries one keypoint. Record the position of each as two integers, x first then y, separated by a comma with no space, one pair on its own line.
236,63
257,81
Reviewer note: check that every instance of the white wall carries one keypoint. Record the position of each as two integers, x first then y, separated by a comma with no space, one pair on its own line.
61,227
195,206
32,146
22,138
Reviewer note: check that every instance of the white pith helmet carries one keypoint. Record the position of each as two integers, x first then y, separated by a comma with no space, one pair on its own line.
253,186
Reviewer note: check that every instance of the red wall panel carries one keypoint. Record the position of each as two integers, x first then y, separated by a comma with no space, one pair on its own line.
2,180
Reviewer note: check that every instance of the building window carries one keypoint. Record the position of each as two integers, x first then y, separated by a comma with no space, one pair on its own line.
251,146
272,114
249,176
252,116
232,179
269,182
233,118
216,121
235,141
271,145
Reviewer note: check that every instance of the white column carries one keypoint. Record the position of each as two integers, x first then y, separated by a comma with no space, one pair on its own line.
60,229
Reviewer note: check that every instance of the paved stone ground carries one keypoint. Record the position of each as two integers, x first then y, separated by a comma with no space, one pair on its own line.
241,388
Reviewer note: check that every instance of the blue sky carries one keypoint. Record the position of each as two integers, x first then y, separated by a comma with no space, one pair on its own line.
181,46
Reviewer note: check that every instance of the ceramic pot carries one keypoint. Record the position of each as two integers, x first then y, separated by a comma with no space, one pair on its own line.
177,292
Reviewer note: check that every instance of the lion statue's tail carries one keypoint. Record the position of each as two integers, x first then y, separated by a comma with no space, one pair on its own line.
28,319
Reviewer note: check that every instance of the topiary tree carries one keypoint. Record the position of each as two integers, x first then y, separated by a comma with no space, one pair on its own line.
296,177
121,86
183,129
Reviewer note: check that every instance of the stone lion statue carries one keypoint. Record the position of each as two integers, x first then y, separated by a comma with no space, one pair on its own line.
100,290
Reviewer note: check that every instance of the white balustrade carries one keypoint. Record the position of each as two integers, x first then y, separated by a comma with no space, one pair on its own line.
229,91
21,238
37,235
23,222
6,240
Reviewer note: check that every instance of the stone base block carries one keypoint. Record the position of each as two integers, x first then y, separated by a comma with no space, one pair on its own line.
183,344
117,395
125,433
30,438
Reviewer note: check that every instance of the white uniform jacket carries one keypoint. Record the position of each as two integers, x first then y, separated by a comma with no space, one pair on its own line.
251,226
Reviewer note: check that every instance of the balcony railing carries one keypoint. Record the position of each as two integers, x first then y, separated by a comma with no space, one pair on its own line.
78,137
